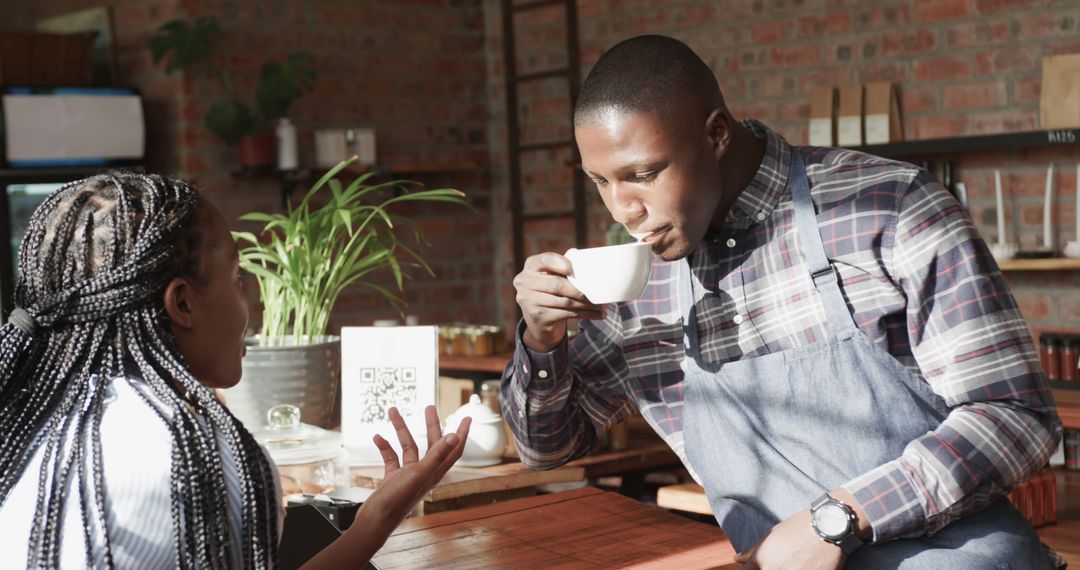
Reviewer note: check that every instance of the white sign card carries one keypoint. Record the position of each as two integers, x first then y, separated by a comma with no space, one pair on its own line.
384,367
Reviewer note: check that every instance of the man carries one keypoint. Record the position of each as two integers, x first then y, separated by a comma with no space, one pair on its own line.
825,340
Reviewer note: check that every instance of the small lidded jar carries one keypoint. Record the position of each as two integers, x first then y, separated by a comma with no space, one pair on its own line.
309,459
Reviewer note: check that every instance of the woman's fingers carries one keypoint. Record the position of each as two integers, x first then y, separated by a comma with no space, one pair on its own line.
409,452
434,430
455,453
389,457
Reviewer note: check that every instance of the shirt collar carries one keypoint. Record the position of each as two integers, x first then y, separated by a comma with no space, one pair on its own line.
759,198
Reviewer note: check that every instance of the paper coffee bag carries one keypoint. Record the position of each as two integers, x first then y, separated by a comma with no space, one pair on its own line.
823,116
849,124
882,123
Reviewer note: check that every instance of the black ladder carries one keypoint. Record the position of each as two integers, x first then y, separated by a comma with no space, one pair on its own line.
572,73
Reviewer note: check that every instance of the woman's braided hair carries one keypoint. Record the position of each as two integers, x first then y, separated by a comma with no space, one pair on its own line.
93,266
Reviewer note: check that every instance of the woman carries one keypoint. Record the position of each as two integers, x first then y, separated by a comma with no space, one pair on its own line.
130,309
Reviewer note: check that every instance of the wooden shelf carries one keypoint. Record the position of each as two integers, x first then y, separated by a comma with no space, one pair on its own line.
415,167
1047,264
1001,141
52,174
1068,406
483,364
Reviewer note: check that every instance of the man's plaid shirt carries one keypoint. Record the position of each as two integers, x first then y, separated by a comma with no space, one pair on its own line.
919,281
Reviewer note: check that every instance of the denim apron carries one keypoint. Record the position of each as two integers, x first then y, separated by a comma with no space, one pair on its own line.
768,435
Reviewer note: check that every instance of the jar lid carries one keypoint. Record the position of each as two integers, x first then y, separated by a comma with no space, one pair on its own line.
291,442
475,409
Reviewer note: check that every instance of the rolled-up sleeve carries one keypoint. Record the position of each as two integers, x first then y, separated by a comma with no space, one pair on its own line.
557,402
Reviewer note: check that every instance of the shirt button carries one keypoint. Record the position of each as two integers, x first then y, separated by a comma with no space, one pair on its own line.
731,242
760,216
737,320
542,374
521,413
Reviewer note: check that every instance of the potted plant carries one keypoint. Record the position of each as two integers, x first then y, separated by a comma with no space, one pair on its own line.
238,120
303,260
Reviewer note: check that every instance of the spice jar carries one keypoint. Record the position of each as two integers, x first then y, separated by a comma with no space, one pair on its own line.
1050,495
1072,449
1044,346
479,344
495,333
489,395
1070,353
455,340
444,342
1037,500
1051,356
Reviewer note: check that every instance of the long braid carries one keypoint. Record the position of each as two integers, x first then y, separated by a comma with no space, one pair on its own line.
93,265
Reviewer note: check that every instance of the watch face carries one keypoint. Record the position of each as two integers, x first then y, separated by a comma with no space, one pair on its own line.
831,520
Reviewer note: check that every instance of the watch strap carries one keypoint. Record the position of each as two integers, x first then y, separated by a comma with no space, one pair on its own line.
850,543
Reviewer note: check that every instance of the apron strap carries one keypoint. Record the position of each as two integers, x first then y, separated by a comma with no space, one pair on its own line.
689,314
837,316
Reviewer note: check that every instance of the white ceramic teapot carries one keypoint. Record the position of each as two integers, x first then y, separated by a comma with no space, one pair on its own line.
487,437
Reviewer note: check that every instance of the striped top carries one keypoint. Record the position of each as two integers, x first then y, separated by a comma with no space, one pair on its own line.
920,283
135,448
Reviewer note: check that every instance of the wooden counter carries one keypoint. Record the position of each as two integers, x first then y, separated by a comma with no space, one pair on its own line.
585,528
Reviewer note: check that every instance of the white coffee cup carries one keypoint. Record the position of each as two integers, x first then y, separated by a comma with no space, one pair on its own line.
611,274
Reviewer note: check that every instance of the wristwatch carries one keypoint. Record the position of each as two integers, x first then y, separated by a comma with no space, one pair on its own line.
835,523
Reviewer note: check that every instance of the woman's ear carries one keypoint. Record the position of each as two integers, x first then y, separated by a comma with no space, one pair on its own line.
178,302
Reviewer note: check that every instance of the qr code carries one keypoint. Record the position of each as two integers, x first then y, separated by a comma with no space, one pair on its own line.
384,388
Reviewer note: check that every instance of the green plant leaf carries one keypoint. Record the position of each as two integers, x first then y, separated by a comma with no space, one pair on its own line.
230,121
245,236
327,243
260,217
282,83
184,43
346,218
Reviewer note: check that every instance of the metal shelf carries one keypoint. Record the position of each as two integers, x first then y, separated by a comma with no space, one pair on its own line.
1002,141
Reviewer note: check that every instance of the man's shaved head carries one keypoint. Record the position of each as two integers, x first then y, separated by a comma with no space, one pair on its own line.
649,74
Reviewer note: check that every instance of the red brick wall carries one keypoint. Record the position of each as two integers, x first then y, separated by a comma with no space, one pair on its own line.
414,70
961,66
428,74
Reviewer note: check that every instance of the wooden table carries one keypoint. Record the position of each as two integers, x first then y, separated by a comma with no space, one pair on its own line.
585,528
